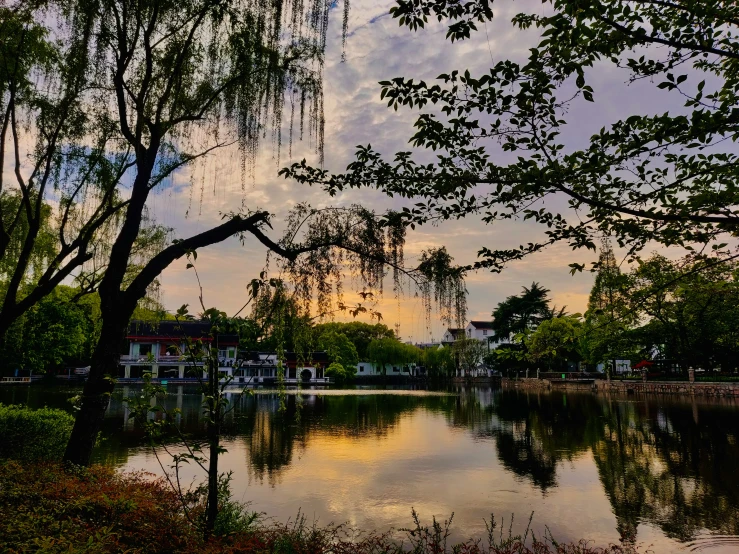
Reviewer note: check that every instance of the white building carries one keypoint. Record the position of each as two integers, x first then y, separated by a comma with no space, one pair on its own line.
161,349
480,330
372,369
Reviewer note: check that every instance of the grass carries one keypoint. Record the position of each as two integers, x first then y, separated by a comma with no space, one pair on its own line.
45,507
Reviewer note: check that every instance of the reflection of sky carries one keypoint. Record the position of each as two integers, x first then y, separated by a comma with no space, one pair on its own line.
373,482
421,460
379,49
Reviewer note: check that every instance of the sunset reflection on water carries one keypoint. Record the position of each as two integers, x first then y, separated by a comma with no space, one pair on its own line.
652,471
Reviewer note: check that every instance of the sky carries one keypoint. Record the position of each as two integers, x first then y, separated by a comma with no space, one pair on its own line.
378,49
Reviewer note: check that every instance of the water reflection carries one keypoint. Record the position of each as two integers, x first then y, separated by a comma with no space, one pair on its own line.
672,464
655,470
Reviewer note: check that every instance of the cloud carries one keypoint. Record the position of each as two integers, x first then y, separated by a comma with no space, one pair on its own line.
378,49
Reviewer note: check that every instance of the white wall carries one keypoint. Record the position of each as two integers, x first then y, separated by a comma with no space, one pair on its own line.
372,369
471,332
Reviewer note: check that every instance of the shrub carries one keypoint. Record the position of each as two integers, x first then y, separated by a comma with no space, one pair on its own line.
44,507
336,372
27,434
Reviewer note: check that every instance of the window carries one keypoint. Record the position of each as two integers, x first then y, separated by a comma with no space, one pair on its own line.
484,331
395,369
361,369
144,349
231,353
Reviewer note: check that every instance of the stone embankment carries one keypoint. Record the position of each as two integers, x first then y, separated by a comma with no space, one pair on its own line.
494,380
546,384
669,387
628,387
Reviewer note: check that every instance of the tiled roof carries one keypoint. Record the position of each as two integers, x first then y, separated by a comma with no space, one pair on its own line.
482,324
175,330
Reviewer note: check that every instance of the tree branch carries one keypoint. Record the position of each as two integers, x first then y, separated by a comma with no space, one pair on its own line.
235,225
674,44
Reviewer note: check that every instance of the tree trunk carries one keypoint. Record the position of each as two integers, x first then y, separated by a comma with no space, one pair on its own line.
212,514
96,394
116,308
213,443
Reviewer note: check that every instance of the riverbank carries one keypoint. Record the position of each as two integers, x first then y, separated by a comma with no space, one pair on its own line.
688,388
45,507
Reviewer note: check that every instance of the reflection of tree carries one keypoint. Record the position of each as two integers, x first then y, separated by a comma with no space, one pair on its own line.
658,464
533,432
538,431
660,461
271,435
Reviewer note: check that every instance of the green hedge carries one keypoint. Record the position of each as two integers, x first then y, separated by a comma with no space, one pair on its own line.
27,434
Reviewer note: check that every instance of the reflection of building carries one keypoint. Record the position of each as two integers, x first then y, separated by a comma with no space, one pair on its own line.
163,349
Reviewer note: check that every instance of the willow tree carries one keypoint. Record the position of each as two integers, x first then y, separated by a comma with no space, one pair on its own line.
103,101
500,144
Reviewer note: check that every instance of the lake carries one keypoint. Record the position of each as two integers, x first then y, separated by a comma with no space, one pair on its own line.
656,471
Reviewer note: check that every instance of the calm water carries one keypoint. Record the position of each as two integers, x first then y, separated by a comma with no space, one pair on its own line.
659,472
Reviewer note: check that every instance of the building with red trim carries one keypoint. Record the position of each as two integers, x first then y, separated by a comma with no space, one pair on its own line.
160,348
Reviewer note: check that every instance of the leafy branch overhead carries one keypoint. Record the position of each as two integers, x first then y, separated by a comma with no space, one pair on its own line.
499,144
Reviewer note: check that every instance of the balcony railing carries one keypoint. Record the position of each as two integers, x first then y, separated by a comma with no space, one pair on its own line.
166,359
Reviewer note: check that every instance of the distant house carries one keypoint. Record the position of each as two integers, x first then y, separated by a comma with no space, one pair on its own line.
261,367
427,345
452,334
160,348
480,330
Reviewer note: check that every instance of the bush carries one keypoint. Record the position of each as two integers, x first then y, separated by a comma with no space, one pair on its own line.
28,435
336,372
45,508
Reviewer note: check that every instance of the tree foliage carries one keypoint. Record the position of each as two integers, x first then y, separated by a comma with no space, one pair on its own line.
521,313
687,310
439,362
340,373
359,333
58,331
514,321
390,351
555,341
609,316
469,354
500,143
339,349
